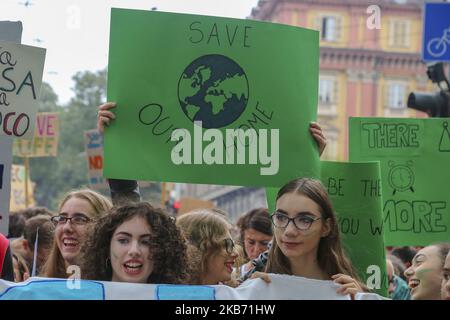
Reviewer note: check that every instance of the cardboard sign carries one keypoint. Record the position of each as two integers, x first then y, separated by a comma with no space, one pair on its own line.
94,153
210,100
5,182
18,189
9,31
21,70
414,155
45,140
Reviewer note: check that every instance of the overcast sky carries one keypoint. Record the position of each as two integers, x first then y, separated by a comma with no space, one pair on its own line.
76,32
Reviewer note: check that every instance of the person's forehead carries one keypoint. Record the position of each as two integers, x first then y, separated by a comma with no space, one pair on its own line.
293,203
256,235
134,226
428,253
76,205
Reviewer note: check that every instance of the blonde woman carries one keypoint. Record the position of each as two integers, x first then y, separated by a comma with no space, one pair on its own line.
77,211
210,247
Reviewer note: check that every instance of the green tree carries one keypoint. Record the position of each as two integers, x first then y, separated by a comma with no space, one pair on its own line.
54,176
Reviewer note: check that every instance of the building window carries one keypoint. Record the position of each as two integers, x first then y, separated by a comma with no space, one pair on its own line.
330,27
399,33
327,90
396,95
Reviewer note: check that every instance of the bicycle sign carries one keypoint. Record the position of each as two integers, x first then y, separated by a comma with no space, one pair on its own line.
436,32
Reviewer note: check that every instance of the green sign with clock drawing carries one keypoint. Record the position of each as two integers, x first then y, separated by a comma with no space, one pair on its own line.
414,155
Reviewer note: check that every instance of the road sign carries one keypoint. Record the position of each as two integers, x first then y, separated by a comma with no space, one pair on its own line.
436,32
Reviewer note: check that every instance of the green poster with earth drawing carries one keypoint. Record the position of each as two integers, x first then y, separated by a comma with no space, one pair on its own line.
210,100
414,155
354,190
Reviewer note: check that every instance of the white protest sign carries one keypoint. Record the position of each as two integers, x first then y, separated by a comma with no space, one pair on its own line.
94,153
9,31
21,70
282,287
5,182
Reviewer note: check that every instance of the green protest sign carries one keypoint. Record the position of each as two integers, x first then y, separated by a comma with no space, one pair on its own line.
414,155
210,100
355,194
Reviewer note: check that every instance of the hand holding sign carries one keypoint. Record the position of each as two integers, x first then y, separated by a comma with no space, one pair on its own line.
104,116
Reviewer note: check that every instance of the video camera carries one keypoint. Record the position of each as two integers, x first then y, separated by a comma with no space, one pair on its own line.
434,104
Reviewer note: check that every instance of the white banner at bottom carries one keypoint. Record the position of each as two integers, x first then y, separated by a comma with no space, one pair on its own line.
282,287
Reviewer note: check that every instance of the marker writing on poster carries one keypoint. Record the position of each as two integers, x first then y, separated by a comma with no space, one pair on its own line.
335,187
219,34
348,225
415,216
371,188
390,135
13,123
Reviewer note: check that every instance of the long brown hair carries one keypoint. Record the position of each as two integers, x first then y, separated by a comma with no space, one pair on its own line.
330,255
168,246
55,266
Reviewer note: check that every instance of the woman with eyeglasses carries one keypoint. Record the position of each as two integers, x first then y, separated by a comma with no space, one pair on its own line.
210,246
136,243
77,211
306,239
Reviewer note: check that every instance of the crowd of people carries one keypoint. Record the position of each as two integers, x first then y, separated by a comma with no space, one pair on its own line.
127,240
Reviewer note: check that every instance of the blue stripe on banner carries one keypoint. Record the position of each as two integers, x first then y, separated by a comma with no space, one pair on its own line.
183,292
55,290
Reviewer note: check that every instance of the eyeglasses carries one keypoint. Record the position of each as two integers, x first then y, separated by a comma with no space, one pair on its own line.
77,220
229,245
301,222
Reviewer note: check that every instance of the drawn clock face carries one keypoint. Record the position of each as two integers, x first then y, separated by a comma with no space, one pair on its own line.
401,178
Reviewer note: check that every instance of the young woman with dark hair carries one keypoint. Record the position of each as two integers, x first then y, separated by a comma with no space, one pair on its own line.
136,243
307,242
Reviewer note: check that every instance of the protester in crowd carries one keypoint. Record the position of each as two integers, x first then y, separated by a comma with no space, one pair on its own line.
136,243
123,191
255,235
211,248
21,270
405,254
307,242
445,286
77,211
16,225
17,244
399,266
390,276
39,226
398,288
35,211
6,263
425,274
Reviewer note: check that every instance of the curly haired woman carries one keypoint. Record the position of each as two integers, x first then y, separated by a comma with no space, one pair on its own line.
136,243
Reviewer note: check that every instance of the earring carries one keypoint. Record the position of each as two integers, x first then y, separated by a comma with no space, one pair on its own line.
107,263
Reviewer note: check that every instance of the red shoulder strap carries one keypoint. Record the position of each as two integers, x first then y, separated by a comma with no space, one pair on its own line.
4,243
